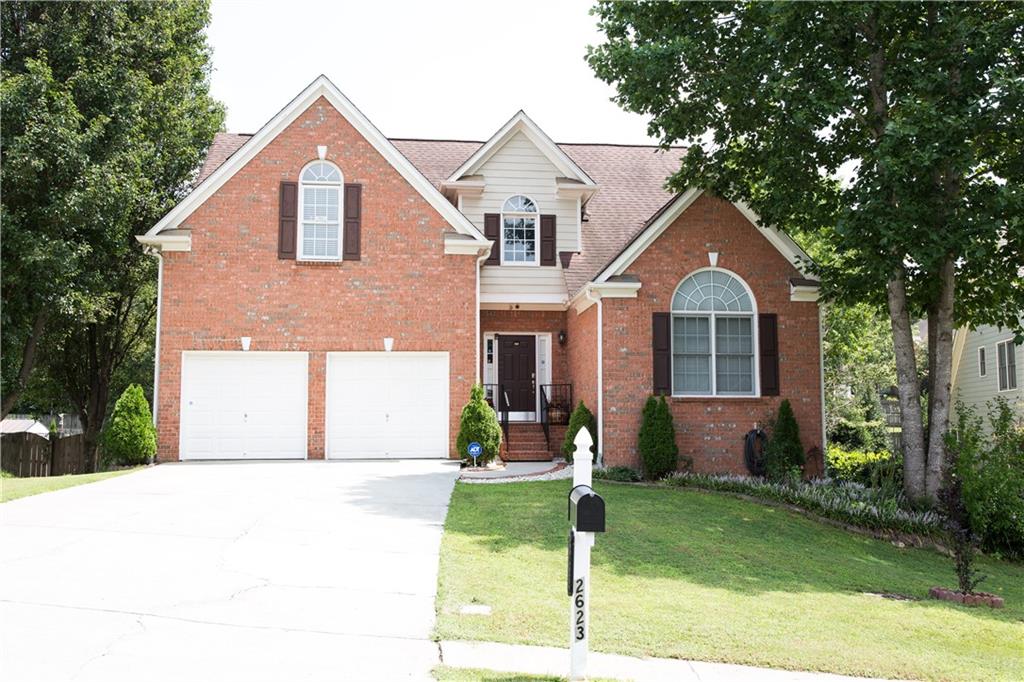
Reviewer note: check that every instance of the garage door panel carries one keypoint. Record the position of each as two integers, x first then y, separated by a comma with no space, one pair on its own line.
242,405
387,405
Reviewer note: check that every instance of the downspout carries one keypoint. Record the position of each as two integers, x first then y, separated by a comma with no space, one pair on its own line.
479,265
156,346
600,375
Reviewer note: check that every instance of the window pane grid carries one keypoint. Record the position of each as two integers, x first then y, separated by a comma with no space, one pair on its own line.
520,244
1006,365
321,211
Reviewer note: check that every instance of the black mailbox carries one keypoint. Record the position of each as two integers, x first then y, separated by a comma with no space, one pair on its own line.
586,510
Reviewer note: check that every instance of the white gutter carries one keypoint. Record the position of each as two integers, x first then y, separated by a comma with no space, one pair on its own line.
600,375
156,345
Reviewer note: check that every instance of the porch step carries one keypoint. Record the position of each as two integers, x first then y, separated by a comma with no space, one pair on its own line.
526,443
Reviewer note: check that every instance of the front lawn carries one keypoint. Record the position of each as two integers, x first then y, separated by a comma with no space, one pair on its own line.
12,488
688,574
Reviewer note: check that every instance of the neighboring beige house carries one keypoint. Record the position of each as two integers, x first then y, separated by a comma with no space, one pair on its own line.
986,365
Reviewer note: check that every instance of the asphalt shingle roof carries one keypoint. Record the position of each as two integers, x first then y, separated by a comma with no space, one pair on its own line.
630,178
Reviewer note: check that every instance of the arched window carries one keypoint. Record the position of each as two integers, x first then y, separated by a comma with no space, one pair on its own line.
713,344
519,231
320,210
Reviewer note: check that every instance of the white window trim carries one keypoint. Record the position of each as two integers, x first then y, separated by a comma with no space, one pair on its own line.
340,186
536,231
1000,366
982,362
712,316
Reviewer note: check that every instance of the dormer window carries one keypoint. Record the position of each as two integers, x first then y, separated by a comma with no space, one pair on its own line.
519,219
320,210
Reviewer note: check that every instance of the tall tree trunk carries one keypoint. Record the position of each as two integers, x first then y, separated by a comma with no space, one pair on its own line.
940,378
909,389
28,362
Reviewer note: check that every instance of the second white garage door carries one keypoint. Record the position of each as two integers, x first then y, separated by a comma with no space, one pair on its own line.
387,405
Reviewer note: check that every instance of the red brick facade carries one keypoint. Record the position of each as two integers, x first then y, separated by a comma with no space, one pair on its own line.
708,429
232,284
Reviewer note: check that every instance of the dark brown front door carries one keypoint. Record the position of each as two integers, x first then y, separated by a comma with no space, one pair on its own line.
517,364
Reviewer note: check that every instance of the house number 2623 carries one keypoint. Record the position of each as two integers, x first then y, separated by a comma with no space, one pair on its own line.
579,601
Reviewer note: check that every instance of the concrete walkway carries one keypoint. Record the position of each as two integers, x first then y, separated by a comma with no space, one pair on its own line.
226,571
542,660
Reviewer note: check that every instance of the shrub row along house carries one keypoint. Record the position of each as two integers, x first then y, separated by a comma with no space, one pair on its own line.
328,292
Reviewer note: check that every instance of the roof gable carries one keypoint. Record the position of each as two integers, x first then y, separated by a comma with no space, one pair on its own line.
212,178
523,124
667,215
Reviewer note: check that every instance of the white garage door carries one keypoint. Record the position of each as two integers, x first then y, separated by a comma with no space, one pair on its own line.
243,405
382,405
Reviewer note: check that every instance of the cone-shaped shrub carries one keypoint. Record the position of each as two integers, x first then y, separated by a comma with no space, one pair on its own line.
657,442
479,423
130,437
580,417
784,454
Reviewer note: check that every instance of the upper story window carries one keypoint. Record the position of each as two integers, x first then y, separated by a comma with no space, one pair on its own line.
713,336
1006,365
519,231
320,210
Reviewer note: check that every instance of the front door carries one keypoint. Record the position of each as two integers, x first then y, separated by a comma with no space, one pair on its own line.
517,367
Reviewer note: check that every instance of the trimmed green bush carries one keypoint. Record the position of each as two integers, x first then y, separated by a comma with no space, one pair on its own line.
479,423
860,466
659,453
579,418
784,454
130,437
989,466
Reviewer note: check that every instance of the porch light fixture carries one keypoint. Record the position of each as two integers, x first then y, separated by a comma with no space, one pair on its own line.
246,340
562,338
389,343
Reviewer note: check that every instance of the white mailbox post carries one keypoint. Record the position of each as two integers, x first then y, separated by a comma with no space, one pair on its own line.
586,514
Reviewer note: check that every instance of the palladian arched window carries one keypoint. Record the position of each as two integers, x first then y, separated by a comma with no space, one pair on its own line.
519,231
713,335
320,209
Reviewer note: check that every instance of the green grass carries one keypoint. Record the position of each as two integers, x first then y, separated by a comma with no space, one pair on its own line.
12,488
688,574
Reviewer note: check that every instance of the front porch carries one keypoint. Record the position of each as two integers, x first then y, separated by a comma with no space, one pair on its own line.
526,380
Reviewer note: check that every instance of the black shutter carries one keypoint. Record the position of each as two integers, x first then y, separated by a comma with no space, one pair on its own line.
547,240
768,337
353,221
661,349
288,213
492,230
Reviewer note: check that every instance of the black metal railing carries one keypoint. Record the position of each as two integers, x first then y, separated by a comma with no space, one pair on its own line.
555,407
496,397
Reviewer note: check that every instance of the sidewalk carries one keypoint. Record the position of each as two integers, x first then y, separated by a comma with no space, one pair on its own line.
543,660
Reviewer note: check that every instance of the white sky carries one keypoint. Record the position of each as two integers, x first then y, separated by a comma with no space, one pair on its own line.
433,69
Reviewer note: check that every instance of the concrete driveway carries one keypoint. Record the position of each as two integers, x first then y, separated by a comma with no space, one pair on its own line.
226,571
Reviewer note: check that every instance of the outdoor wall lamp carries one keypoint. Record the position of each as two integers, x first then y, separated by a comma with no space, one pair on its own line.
389,343
562,337
246,340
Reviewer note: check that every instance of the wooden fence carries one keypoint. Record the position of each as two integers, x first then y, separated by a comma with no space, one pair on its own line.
26,454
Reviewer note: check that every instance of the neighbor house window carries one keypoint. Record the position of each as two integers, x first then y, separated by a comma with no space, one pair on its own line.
982,369
519,222
713,336
320,209
1006,365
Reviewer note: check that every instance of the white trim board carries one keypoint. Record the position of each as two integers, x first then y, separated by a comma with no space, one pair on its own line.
524,124
320,87
782,243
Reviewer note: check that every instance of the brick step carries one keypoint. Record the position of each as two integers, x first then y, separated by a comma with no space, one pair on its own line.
527,456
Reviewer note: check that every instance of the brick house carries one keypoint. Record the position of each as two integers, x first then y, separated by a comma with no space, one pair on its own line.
328,292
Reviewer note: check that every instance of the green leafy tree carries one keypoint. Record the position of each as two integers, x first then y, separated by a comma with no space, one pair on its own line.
657,440
895,130
107,115
479,423
130,437
784,453
581,417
